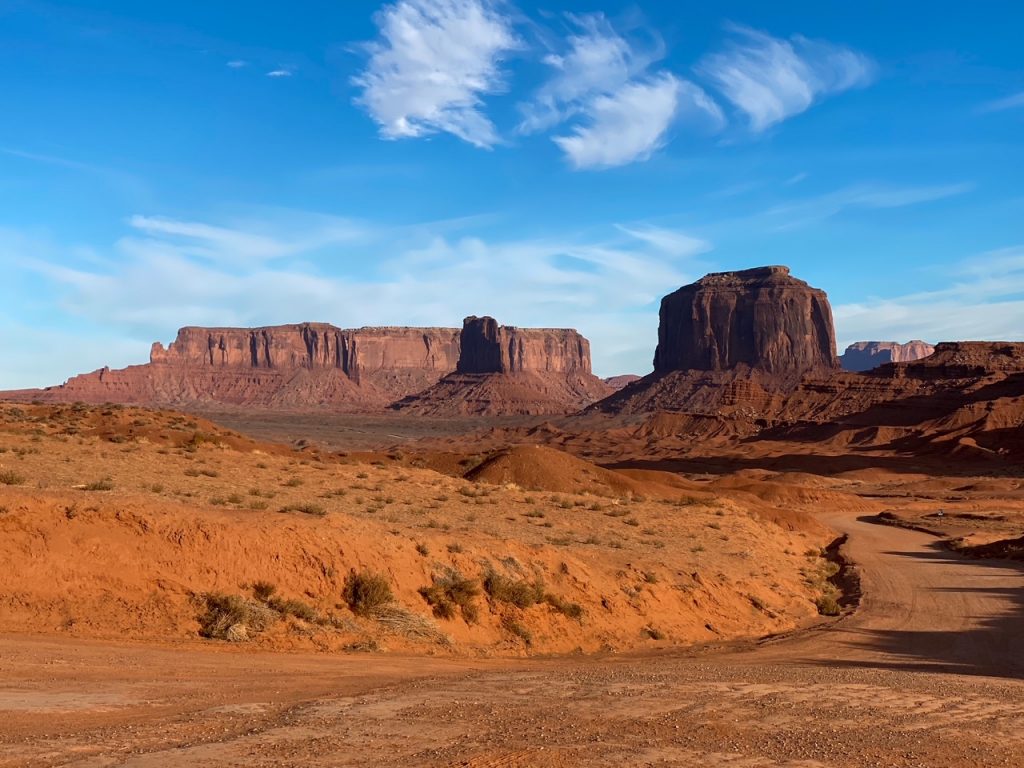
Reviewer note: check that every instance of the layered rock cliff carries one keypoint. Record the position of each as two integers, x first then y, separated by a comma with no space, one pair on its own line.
761,318
505,370
734,340
287,366
865,355
486,347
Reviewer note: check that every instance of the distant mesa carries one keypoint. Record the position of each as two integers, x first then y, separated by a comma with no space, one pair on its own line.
615,383
505,370
865,355
299,366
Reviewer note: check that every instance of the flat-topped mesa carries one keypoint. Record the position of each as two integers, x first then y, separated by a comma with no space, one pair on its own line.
313,346
285,367
486,347
960,360
761,318
865,355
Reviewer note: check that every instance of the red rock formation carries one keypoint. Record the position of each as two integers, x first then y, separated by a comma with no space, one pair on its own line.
504,370
734,339
486,347
865,355
760,318
289,366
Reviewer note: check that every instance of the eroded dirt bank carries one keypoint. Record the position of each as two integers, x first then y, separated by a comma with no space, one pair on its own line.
926,674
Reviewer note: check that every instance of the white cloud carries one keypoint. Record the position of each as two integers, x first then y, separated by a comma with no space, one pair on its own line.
631,124
434,62
597,60
1009,102
237,64
771,79
622,112
281,72
985,301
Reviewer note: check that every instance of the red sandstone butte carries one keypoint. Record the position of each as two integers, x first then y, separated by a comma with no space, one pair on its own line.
505,370
865,355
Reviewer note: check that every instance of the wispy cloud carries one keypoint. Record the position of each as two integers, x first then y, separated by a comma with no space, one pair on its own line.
237,64
985,301
630,124
770,79
280,72
669,241
596,60
432,65
620,112
245,243
863,197
999,105
167,273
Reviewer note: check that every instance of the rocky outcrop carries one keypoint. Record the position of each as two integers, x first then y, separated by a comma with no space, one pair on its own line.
865,355
307,365
734,340
486,347
504,370
762,319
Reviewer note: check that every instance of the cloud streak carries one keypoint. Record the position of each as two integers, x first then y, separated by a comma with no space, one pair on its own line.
431,66
770,79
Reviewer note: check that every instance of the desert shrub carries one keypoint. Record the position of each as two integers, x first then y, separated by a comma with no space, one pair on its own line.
232,617
234,498
828,606
10,477
518,592
293,482
450,592
653,633
534,513
296,608
455,548
307,509
570,610
422,549
366,591
106,484
513,627
263,590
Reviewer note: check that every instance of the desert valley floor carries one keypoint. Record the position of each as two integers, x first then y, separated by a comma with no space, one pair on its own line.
102,663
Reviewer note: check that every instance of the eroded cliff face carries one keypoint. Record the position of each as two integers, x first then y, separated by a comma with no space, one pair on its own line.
486,347
307,365
355,352
504,370
865,355
761,318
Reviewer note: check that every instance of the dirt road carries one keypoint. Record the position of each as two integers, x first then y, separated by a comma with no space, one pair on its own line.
926,674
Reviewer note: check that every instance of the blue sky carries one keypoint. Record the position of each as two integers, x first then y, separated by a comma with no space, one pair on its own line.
557,164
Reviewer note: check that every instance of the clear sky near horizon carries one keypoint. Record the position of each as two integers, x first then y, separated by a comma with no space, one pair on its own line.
550,164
